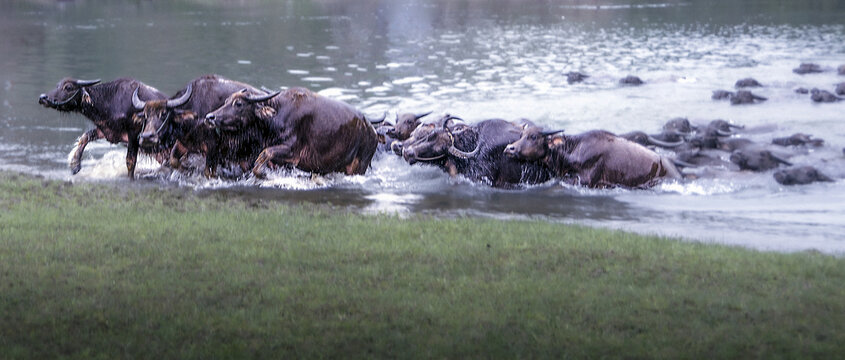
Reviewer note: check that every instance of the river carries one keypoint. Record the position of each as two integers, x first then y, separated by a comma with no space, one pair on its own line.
477,60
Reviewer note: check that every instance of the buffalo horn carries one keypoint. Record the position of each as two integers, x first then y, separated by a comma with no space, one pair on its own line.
136,101
737,126
547,133
665,144
260,98
721,132
464,155
448,118
84,83
181,100
420,116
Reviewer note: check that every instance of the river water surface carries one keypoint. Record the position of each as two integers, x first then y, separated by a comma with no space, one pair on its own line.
478,60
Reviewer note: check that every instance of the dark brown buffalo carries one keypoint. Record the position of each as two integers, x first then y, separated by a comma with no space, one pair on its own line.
109,107
391,135
743,97
298,128
807,68
798,139
800,175
474,151
757,159
176,124
747,82
631,80
596,159
823,96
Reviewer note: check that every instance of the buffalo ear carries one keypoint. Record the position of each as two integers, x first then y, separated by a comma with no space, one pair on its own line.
86,99
554,141
265,112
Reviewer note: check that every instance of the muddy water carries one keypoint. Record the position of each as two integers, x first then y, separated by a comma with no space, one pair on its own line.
476,59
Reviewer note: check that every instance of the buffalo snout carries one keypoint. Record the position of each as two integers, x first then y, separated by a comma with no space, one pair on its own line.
510,150
211,120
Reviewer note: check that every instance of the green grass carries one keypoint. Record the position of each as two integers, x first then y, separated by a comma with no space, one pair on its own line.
92,271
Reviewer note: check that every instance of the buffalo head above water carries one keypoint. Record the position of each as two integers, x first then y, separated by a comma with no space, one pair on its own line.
240,109
69,94
155,116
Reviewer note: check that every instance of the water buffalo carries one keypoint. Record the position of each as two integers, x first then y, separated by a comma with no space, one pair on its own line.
679,125
476,152
840,89
631,80
575,77
757,159
742,97
175,124
798,139
721,95
807,68
401,131
747,82
298,128
109,107
707,137
596,159
823,96
800,175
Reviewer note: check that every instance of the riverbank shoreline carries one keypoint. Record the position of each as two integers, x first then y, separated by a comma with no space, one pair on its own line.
93,270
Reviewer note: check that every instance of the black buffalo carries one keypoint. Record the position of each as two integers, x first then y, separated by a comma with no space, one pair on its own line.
798,139
474,151
742,97
297,128
818,95
807,68
176,124
596,159
631,80
109,107
747,82
392,135
800,175
757,159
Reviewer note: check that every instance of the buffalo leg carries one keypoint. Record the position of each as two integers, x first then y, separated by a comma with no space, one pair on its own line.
176,154
76,160
277,155
131,156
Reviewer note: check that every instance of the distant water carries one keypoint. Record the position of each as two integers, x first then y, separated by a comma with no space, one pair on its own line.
477,60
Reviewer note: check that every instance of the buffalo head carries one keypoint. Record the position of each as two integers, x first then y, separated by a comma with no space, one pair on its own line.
240,110
69,95
405,124
156,116
435,141
532,145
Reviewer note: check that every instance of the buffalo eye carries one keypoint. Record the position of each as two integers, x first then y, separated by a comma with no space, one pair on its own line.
239,104
432,137
68,87
533,137
141,115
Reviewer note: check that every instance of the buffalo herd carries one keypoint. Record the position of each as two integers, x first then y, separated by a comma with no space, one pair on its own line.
233,125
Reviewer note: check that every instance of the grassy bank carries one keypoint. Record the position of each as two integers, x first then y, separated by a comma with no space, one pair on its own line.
96,271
